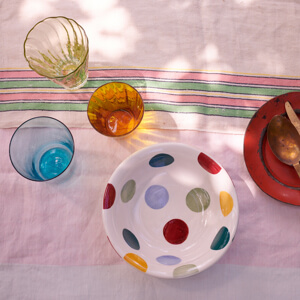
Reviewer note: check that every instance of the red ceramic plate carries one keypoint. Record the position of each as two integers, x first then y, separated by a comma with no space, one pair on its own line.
275,178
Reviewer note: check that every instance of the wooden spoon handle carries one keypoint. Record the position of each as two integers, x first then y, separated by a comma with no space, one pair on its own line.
297,168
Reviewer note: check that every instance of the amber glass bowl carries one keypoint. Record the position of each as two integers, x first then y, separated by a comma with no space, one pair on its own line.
115,109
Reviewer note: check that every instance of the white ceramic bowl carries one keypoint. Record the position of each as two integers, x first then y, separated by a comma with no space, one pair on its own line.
170,210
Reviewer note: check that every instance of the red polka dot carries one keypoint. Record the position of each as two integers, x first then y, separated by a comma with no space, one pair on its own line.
208,164
109,196
176,231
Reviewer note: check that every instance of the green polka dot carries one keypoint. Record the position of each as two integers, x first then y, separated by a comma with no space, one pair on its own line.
198,200
185,271
128,191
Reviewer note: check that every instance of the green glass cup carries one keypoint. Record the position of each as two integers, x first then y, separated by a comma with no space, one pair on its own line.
58,49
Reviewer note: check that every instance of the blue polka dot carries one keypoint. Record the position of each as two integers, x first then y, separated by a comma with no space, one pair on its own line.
161,160
156,196
168,260
130,239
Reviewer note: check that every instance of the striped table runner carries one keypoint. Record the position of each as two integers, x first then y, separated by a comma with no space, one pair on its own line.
192,100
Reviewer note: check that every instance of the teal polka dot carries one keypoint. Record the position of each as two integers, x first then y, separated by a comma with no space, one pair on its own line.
221,239
131,239
161,160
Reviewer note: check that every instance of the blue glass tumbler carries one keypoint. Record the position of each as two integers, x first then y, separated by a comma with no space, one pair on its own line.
41,148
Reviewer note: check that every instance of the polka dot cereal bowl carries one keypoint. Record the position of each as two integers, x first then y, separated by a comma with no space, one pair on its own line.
170,210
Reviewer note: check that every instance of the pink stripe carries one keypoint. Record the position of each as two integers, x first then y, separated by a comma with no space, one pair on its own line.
19,74
200,76
146,97
45,96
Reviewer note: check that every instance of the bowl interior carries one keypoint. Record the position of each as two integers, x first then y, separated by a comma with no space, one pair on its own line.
170,210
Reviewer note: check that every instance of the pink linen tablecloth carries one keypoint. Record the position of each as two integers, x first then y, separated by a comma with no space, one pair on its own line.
203,69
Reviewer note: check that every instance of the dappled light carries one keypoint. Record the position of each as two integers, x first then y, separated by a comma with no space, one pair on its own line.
119,37
112,33
35,9
180,62
109,26
245,2
211,74
211,57
211,53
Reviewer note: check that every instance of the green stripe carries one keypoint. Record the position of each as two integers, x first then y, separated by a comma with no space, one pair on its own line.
169,85
226,112
20,84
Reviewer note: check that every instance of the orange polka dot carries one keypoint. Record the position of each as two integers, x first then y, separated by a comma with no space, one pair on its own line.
136,261
226,203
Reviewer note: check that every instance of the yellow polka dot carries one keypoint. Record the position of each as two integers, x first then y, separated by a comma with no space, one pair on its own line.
136,261
226,203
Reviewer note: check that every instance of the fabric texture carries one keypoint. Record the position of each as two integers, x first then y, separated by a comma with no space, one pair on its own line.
203,68
216,102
